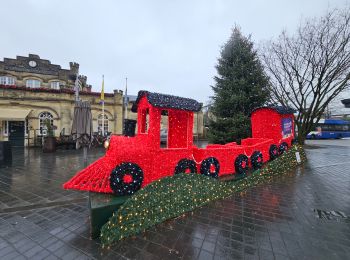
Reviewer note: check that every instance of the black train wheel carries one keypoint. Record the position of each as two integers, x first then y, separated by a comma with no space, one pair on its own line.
210,167
186,166
257,160
273,152
126,178
283,148
241,164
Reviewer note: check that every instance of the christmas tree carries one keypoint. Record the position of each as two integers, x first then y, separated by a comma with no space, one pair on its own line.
240,86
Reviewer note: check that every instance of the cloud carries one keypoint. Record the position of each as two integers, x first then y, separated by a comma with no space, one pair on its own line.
163,46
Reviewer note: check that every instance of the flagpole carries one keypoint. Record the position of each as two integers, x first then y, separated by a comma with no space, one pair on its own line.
103,107
76,92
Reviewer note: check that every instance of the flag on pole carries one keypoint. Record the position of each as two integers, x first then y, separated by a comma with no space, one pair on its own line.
103,90
103,106
126,99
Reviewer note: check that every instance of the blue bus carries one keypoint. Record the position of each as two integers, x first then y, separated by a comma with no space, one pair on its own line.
330,128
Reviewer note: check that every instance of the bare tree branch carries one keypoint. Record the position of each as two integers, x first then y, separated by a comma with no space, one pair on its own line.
311,68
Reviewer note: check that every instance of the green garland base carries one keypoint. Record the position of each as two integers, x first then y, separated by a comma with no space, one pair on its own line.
173,196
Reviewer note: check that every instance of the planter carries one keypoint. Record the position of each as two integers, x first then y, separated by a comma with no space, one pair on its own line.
49,145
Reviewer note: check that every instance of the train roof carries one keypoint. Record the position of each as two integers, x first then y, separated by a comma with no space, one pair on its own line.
167,101
279,109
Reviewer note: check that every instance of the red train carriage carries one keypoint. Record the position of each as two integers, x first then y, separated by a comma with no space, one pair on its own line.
133,162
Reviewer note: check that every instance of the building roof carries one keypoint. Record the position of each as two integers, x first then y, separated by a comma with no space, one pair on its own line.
131,98
279,109
42,66
167,101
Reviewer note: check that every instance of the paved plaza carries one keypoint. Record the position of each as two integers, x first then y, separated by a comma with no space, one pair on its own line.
302,215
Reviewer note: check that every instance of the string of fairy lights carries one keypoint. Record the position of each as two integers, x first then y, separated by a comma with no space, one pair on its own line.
173,196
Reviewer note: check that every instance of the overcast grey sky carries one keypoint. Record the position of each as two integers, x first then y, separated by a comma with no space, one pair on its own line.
164,46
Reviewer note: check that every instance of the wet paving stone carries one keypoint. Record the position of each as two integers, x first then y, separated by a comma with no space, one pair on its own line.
303,215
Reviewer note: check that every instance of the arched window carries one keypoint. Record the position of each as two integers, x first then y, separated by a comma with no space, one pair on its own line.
43,117
99,123
33,83
7,80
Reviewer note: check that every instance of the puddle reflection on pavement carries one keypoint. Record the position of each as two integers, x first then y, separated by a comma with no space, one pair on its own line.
300,215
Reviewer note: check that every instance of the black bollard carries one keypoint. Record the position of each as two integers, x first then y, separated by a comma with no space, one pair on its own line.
5,152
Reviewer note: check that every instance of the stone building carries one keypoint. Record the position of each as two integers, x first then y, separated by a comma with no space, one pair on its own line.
32,91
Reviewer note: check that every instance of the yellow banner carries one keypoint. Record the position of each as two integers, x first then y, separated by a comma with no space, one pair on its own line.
103,89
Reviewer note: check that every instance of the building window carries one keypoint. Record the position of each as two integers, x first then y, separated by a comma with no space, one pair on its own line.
6,80
33,83
55,84
43,117
99,123
5,127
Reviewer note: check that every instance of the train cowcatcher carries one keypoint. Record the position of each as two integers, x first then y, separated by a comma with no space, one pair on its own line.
131,163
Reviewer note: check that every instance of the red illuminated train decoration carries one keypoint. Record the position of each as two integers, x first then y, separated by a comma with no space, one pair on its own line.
133,162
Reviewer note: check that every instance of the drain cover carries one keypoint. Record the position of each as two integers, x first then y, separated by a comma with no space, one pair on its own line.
333,214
